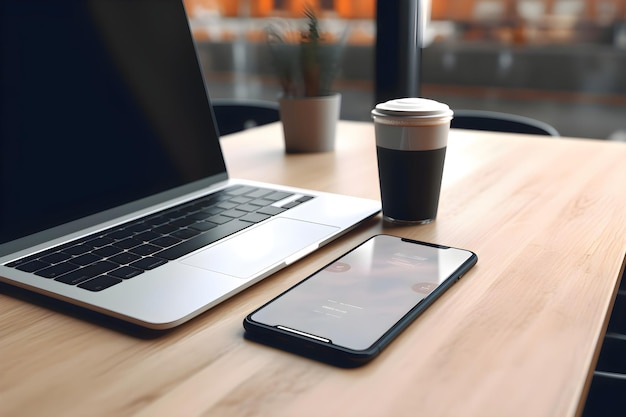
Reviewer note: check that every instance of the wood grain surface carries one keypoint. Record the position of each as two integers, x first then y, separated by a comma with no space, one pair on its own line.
517,336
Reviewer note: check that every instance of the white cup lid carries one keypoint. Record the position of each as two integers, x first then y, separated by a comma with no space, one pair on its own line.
414,107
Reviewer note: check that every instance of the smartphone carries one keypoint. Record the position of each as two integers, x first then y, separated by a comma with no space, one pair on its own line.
347,312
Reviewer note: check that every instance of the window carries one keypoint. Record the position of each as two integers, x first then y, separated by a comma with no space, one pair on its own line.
560,61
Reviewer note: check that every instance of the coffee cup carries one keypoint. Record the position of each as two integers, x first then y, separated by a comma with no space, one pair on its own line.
411,143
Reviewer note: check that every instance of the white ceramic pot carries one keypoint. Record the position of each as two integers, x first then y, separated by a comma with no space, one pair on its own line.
309,123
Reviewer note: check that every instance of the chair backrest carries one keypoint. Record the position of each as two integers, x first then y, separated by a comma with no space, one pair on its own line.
500,122
234,115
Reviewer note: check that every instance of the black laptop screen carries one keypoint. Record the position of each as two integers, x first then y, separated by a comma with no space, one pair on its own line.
103,103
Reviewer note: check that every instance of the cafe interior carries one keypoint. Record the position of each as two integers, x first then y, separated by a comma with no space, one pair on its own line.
558,61
537,328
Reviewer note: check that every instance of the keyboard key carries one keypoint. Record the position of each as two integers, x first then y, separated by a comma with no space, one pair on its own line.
126,272
148,263
27,259
240,200
86,259
165,241
124,258
254,217
175,214
100,283
184,222
208,202
146,236
57,270
190,208
258,193
219,219
202,240
277,196
247,207
55,258
239,189
165,229
77,249
137,227
185,234
119,234
200,216
219,196
157,220
32,266
291,204
88,272
202,226
227,205
145,250
213,210
128,243
261,202
99,242
271,210
107,251
234,213
196,206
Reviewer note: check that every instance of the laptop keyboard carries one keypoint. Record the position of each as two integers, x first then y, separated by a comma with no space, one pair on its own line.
109,257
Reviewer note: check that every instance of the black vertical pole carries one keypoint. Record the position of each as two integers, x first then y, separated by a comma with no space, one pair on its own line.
398,49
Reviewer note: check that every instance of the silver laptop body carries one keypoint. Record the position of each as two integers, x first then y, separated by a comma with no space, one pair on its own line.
107,129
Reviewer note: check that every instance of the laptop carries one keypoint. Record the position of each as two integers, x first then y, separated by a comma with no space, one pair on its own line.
114,191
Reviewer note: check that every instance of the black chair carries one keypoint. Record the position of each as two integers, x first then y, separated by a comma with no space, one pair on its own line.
605,397
606,393
500,122
234,115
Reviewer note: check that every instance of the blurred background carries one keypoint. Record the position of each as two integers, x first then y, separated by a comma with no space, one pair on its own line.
560,61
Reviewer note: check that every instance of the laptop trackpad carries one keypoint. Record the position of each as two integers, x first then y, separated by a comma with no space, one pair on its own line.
259,248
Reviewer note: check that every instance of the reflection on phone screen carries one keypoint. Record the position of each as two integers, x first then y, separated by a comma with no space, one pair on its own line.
355,300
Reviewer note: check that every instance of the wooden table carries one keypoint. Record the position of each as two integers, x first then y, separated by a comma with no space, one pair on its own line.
518,336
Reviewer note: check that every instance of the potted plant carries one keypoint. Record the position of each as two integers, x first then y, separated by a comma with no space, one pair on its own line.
306,64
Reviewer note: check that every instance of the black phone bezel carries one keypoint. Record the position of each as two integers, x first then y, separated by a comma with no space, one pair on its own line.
338,355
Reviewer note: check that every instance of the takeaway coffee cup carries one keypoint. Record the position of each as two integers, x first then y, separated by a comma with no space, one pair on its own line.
411,141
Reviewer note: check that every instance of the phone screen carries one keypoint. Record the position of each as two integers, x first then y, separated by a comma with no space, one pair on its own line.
356,299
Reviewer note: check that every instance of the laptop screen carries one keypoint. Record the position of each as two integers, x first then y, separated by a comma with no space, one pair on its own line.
103,103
